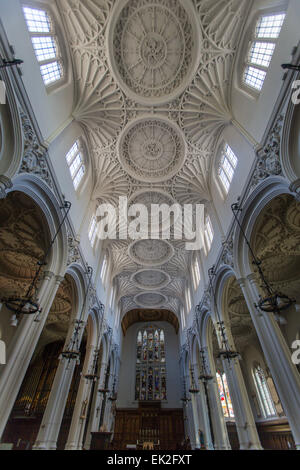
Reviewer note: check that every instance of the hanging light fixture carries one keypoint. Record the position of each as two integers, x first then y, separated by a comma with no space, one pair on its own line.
193,389
204,376
10,63
72,351
273,301
28,304
105,390
296,68
113,396
226,352
184,399
92,377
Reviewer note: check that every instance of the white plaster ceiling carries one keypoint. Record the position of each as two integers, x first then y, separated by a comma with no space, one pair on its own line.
152,94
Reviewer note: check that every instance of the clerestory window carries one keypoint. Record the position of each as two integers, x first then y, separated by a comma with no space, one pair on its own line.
264,38
44,42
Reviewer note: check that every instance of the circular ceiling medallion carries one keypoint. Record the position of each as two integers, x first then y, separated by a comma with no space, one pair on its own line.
151,197
152,51
152,149
150,299
150,252
150,279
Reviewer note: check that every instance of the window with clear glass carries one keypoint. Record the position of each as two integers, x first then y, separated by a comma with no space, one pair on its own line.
182,313
196,272
264,395
93,230
224,395
150,381
103,269
227,165
76,164
41,30
188,300
208,234
261,50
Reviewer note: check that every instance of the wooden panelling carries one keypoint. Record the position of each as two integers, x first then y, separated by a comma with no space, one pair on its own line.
148,423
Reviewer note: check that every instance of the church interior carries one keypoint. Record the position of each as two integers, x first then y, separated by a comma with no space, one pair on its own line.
144,340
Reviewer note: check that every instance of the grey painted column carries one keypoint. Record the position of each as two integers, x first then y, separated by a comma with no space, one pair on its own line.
78,422
51,422
22,348
202,406
93,425
244,420
221,439
277,355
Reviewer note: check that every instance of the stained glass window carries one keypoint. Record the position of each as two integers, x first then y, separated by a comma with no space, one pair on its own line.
41,30
264,395
261,49
150,381
225,396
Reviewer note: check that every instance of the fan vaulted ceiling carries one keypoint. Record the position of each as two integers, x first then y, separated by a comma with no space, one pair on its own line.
152,85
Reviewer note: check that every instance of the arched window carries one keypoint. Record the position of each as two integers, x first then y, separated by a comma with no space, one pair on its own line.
227,165
93,230
45,45
264,37
183,323
188,299
264,395
103,269
208,234
150,381
225,396
196,272
76,163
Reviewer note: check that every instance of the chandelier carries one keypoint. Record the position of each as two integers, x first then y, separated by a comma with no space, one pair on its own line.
272,301
226,352
28,304
72,352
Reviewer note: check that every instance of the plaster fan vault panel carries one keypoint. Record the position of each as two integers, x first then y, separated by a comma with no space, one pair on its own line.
151,149
151,46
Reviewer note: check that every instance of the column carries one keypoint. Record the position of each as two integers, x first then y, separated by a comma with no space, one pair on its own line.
22,348
53,415
83,397
93,424
244,420
277,355
203,411
221,439
107,412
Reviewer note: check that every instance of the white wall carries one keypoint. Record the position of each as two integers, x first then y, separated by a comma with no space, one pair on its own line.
254,113
128,360
52,109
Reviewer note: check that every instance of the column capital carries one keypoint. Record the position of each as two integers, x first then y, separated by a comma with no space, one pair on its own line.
59,279
241,281
47,275
5,184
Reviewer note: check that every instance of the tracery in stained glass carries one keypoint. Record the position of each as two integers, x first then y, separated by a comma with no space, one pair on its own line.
150,383
225,396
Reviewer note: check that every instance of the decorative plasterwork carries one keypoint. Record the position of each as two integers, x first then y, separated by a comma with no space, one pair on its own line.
150,299
34,157
150,279
269,157
193,103
151,149
150,252
149,197
153,48
153,315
